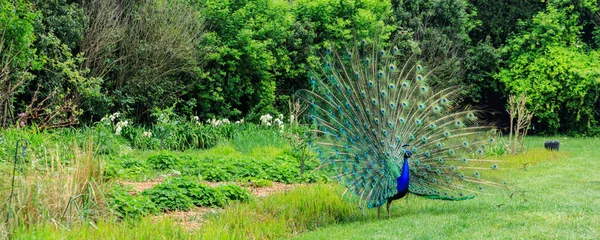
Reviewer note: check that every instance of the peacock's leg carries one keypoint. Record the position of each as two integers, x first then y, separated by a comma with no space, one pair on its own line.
378,212
387,206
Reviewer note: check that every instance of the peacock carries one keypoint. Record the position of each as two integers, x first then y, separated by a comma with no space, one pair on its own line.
388,126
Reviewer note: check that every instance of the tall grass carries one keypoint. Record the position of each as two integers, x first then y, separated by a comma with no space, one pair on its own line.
283,215
55,189
258,136
277,216
147,229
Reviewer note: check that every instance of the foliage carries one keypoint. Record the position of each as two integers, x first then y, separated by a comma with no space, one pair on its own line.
201,195
17,21
127,206
185,192
497,19
247,55
61,83
234,193
169,197
163,161
259,47
282,168
159,54
437,31
126,167
341,22
93,58
481,64
549,63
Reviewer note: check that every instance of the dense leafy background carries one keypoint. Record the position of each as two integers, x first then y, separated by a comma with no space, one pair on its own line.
242,59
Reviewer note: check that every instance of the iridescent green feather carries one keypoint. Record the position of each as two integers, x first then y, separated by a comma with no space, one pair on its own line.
368,102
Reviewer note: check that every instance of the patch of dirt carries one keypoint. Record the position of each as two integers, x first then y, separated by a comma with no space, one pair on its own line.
139,187
275,188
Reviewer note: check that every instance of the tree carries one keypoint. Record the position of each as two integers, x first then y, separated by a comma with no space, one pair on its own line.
549,63
17,20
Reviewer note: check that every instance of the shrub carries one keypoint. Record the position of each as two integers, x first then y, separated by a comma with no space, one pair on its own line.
216,173
184,192
127,206
163,161
547,63
169,197
201,195
234,193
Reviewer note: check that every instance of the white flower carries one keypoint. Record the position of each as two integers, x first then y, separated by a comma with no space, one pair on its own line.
118,131
196,118
147,134
280,116
291,118
266,119
278,122
225,121
214,122
114,116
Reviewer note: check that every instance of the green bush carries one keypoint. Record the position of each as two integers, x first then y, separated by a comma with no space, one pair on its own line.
559,74
163,161
274,165
185,192
201,195
169,197
234,193
127,206
216,174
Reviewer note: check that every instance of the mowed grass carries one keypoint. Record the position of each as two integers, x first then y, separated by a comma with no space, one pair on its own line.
560,199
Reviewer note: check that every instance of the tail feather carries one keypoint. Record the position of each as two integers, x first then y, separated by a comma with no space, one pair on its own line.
366,108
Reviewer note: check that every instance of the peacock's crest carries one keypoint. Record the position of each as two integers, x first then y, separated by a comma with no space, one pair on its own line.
367,102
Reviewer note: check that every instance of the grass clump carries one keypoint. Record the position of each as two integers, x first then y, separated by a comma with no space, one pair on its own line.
63,190
146,228
281,215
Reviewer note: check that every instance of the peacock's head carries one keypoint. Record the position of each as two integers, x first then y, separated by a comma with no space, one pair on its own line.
407,153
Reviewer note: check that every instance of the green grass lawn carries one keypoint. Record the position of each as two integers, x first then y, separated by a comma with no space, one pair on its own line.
561,200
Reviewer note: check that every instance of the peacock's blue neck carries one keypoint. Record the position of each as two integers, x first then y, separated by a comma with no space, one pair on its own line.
404,179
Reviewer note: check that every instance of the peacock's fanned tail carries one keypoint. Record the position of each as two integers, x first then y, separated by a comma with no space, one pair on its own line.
367,102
